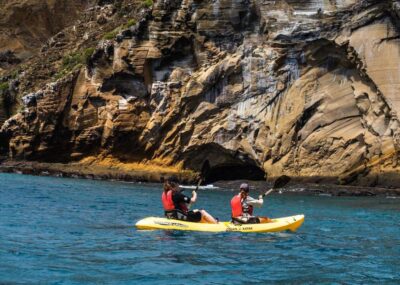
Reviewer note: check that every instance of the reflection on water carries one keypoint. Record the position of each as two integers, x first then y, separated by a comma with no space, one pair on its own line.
72,231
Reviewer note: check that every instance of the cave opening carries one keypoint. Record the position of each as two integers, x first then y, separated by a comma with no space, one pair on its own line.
4,143
231,171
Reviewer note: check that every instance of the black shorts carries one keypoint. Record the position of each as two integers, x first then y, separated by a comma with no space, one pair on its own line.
251,220
194,216
191,216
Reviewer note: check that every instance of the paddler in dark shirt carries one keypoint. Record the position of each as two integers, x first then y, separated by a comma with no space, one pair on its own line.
176,205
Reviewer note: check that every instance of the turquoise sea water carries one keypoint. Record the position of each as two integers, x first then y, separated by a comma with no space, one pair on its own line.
70,231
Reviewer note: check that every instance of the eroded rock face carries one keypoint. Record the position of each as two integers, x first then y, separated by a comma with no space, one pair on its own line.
304,88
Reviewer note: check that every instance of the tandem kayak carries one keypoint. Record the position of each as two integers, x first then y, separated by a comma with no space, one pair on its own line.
291,223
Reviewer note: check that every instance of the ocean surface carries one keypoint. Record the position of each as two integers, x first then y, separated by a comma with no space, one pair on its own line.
71,231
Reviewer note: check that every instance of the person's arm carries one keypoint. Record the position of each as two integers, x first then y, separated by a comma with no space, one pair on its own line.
255,202
194,197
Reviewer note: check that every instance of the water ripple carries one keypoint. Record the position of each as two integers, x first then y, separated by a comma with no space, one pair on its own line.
71,231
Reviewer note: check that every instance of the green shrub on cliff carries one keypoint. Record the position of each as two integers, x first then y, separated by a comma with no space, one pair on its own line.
4,86
60,74
148,3
77,58
111,35
14,74
74,60
71,60
87,53
130,23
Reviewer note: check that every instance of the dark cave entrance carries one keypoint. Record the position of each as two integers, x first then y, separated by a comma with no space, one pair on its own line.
231,172
4,141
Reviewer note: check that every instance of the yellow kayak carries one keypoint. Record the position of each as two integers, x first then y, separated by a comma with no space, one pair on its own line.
291,223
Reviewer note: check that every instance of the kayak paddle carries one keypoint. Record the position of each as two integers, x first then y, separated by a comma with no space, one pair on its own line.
279,183
195,190
198,184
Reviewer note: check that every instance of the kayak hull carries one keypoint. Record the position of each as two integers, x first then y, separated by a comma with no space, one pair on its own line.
291,223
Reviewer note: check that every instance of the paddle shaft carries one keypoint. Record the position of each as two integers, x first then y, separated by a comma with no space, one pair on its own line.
198,184
197,188
268,192
279,183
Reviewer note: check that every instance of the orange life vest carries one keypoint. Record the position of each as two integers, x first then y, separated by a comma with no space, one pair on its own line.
236,205
167,202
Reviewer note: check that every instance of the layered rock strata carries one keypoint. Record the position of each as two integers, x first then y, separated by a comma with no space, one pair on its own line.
232,89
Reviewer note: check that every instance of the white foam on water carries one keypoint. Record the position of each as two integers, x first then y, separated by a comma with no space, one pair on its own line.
304,13
209,186
296,190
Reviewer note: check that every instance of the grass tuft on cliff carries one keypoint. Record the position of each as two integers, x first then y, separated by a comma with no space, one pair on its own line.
112,34
4,86
130,23
87,53
147,3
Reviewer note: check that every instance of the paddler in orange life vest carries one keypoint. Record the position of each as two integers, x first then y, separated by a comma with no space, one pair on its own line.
176,205
243,205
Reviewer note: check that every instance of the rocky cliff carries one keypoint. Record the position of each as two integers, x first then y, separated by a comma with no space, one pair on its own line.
229,88
26,24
